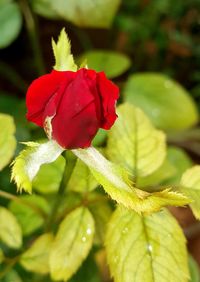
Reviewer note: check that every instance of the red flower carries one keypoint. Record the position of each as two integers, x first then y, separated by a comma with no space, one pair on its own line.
72,106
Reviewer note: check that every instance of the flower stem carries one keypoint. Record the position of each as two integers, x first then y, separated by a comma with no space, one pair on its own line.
33,35
70,161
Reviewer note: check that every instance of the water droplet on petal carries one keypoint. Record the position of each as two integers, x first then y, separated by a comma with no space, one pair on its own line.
83,239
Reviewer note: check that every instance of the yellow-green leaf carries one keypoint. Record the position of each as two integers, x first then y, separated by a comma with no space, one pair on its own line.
167,103
64,60
31,212
194,270
10,230
47,185
146,248
164,172
116,183
101,212
1,256
72,244
82,179
7,139
36,258
134,143
112,63
87,13
190,185
180,160
27,164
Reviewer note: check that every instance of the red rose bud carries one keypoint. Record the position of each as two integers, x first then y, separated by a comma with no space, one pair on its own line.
72,106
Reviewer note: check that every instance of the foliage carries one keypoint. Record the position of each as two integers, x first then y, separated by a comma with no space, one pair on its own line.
111,199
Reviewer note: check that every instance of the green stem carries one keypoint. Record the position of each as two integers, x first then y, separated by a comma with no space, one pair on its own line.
33,35
70,161
9,196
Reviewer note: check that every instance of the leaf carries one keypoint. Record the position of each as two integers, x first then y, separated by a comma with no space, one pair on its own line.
27,164
72,244
99,138
1,256
146,248
141,149
7,139
180,160
194,270
36,258
81,180
10,22
12,276
98,14
190,185
88,271
62,52
44,8
10,230
31,215
112,63
163,173
117,184
167,104
101,212
47,185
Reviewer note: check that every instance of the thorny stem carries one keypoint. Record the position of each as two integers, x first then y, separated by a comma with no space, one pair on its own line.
33,35
9,196
70,161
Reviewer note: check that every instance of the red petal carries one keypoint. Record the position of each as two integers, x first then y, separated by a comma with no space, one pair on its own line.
109,93
76,122
40,91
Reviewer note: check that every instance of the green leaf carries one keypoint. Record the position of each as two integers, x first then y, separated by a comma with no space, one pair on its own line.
72,244
88,271
7,139
146,248
190,185
31,215
99,138
112,63
168,105
36,258
27,164
10,230
98,14
194,270
1,256
81,180
10,22
12,276
101,212
47,185
44,8
134,143
62,52
117,184
180,160
163,173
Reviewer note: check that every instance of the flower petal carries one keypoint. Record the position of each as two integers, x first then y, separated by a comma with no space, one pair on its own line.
109,93
40,91
76,123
